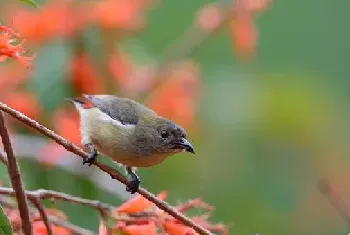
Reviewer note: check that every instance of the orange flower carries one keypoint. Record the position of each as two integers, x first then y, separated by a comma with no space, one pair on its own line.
8,49
120,67
138,204
12,76
243,34
15,219
173,228
85,79
175,97
145,229
256,6
122,14
24,102
67,125
131,79
209,17
53,19
242,29
39,228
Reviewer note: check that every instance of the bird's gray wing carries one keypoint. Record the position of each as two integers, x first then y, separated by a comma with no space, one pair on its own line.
123,110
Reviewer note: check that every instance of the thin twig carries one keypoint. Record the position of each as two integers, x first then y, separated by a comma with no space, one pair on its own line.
109,170
15,178
43,194
37,203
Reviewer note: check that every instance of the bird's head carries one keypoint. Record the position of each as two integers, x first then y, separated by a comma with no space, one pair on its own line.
163,136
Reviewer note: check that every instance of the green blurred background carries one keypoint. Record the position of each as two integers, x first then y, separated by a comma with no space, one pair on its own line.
268,130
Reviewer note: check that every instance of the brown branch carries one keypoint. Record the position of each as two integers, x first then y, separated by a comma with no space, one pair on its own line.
43,194
109,170
15,178
37,203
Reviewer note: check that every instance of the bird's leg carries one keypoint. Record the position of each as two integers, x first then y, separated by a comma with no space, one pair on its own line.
92,155
134,184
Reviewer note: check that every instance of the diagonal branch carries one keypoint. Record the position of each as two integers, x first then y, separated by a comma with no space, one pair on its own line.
37,203
15,178
109,170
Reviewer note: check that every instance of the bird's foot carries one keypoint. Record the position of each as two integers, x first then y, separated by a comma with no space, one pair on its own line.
90,159
133,185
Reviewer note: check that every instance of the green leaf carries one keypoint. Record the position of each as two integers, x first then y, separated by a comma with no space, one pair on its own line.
31,2
5,226
48,81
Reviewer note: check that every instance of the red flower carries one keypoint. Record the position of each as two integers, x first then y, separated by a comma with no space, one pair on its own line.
84,77
67,125
8,49
55,18
242,29
39,228
138,204
175,97
174,228
24,102
209,17
121,14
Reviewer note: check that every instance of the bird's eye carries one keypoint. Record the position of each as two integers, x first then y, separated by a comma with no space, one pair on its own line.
164,133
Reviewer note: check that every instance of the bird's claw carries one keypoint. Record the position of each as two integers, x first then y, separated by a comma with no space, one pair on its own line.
133,185
90,159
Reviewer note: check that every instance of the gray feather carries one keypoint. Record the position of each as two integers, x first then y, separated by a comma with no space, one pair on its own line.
123,110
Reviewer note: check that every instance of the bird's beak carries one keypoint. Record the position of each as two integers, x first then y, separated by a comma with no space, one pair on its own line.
187,145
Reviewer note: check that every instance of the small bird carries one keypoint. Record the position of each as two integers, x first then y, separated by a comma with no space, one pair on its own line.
127,132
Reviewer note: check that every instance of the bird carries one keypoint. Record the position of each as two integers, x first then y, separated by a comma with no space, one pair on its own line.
128,132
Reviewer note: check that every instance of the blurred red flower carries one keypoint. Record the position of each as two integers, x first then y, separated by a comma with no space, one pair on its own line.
55,18
67,125
138,204
173,228
39,228
84,77
15,51
24,102
176,96
242,29
209,17
120,14
243,35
